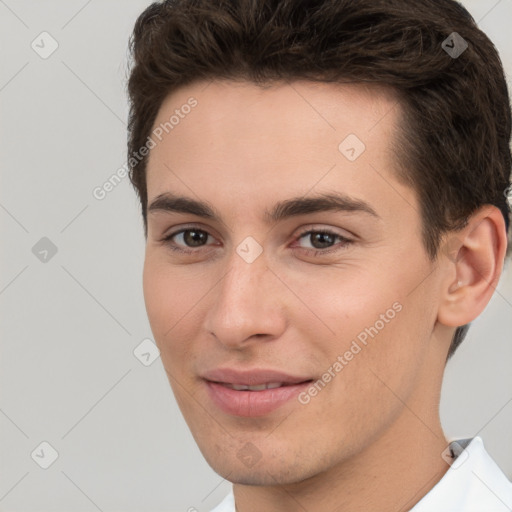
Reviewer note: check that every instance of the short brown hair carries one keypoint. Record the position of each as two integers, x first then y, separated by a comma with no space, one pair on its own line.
453,147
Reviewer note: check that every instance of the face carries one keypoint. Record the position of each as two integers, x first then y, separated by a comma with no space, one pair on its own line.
294,266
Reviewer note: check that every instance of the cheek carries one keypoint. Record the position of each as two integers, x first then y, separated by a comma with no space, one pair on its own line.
167,300
158,295
367,314
175,298
340,303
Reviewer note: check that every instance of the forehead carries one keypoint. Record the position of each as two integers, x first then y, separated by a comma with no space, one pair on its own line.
325,111
283,139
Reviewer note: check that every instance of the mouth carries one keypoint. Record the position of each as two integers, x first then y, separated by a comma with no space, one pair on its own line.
259,387
253,393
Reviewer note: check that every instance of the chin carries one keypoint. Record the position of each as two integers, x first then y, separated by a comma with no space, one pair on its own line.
252,477
258,476
265,472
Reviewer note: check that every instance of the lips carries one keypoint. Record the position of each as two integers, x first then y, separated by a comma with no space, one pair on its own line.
260,387
254,377
252,393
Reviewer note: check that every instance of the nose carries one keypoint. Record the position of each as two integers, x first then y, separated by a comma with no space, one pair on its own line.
247,306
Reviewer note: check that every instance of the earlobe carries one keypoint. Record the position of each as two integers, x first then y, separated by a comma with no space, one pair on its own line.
473,260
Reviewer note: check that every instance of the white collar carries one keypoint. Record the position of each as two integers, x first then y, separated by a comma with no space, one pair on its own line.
473,483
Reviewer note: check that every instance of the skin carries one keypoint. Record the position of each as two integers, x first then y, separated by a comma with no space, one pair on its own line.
371,439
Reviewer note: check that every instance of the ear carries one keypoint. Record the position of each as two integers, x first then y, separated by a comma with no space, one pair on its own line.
473,260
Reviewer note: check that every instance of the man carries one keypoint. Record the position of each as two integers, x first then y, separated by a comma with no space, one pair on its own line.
323,187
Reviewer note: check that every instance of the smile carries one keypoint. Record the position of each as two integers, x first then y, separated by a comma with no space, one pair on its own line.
260,387
252,393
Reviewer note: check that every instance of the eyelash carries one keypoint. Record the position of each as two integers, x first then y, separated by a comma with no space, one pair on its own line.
167,240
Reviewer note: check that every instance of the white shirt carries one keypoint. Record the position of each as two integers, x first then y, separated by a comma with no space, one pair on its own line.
473,483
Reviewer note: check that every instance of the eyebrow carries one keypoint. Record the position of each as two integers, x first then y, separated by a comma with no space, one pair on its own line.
288,208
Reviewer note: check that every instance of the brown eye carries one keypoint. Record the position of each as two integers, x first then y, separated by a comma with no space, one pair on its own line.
185,240
194,237
322,239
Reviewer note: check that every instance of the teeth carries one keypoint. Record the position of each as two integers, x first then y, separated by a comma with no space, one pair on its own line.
260,387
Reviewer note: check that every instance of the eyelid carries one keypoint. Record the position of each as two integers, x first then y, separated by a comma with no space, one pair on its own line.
175,230
315,228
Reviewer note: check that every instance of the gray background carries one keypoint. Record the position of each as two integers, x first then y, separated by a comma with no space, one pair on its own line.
70,324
